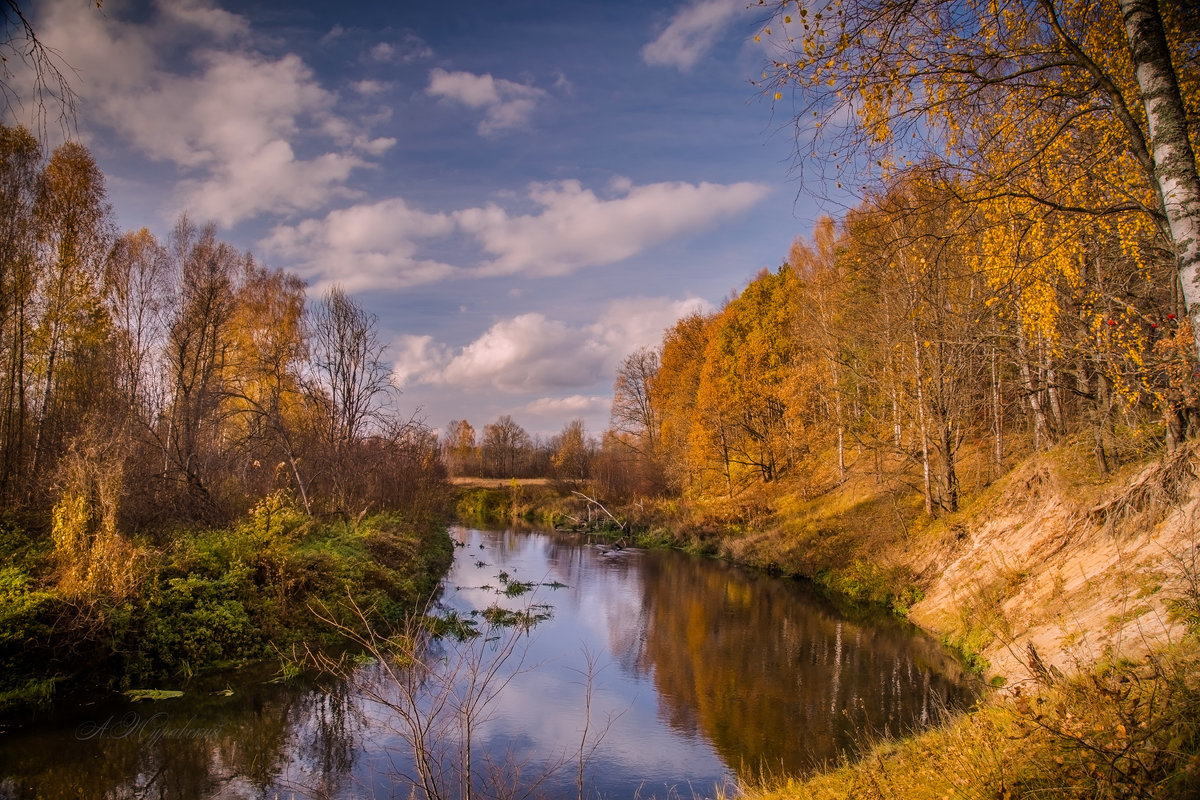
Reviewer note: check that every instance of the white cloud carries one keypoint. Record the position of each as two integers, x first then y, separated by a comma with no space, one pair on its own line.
234,122
527,354
383,52
508,104
408,49
691,33
531,354
575,228
373,245
414,356
335,33
377,146
369,87
203,16
577,405
379,245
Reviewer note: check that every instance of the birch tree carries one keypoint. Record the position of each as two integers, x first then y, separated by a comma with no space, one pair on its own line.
1174,161
994,94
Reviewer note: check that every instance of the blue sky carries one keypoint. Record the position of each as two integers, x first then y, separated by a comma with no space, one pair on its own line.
522,191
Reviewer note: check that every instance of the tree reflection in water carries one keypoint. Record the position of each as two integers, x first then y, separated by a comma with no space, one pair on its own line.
182,749
706,670
777,678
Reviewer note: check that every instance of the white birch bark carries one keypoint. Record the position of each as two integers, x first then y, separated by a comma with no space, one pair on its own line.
1174,161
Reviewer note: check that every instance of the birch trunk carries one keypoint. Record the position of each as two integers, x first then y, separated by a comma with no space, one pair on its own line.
927,480
1174,161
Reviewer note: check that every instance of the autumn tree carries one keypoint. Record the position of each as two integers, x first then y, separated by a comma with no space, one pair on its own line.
349,386
197,351
263,390
74,232
673,394
633,414
632,445
144,383
819,320
139,285
459,448
571,453
995,96
741,422
20,158
505,447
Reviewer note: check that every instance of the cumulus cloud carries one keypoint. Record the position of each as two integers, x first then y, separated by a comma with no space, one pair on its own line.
382,52
407,49
416,356
506,104
380,245
369,87
366,246
575,228
577,405
233,121
526,354
691,33
531,354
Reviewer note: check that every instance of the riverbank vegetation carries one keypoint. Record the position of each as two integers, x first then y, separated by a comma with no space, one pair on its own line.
191,452
196,600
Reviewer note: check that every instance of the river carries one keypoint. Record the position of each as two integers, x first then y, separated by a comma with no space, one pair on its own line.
655,674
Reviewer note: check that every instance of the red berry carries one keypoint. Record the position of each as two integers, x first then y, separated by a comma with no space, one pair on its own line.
1170,316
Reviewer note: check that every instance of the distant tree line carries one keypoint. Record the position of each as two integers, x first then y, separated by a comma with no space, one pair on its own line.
507,450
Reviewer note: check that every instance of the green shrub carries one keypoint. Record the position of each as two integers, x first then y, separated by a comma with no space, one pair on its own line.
213,598
864,582
197,622
27,614
481,504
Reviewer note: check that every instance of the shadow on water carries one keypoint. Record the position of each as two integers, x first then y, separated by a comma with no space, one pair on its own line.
696,670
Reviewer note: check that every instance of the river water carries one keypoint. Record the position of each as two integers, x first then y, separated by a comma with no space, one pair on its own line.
656,674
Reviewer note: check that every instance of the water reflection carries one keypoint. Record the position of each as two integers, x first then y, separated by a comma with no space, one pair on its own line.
690,671
774,677
207,745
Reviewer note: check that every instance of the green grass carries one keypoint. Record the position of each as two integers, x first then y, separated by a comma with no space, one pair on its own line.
210,599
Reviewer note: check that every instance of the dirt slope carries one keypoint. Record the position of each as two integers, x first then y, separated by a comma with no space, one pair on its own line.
1079,572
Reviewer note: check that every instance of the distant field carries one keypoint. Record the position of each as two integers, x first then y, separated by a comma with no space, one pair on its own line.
500,483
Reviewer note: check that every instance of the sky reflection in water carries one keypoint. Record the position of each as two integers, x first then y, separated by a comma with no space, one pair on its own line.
699,670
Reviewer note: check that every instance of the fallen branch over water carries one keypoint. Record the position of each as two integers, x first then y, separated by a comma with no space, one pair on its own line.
594,502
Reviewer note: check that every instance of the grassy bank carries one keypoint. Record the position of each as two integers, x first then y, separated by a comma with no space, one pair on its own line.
1125,730
1076,591
191,601
538,501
